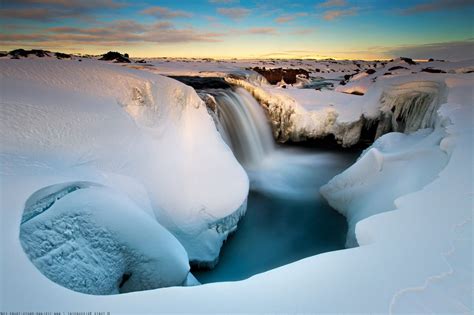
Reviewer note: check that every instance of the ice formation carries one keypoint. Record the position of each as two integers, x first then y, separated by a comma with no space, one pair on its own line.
410,106
91,239
298,114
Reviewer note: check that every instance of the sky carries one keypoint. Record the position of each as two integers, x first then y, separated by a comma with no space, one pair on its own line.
340,29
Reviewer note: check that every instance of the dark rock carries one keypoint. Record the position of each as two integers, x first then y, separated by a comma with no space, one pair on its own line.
115,57
62,56
431,70
140,61
357,93
274,76
408,60
201,83
387,73
396,68
430,60
17,53
370,71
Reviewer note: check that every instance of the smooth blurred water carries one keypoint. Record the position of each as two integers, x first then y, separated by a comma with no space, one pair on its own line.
286,219
244,126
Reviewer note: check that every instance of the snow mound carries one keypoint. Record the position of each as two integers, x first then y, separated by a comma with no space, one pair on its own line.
91,239
115,120
397,164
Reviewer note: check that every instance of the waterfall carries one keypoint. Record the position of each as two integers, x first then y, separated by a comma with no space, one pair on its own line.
244,126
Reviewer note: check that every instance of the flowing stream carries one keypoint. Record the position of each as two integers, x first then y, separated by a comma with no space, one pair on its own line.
286,218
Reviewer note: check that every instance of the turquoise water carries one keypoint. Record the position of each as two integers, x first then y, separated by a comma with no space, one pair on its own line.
286,219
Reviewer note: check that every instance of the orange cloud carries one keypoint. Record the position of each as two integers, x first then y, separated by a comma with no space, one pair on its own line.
234,13
165,13
289,17
335,14
332,3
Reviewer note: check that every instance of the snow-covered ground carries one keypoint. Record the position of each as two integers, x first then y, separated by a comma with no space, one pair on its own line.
143,136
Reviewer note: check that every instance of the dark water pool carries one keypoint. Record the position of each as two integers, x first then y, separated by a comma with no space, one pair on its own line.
286,218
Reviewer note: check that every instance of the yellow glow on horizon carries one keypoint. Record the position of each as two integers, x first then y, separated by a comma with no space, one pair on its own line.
169,51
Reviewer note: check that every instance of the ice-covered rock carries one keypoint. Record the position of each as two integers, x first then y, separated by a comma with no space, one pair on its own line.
115,120
91,239
396,104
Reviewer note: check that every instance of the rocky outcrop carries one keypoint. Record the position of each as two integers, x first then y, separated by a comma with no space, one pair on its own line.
17,53
115,57
201,83
403,108
276,75
432,70
62,55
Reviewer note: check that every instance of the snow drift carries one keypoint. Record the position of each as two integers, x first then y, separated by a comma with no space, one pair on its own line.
125,126
93,240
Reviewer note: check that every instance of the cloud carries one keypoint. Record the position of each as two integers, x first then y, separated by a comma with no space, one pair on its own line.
234,13
83,4
332,3
223,1
120,32
438,5
36,14
455,50
51,10
165,13
262,31
289,17
303,31
335,14
20,37
252,31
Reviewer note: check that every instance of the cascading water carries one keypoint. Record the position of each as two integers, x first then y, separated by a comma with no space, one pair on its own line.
245,126
286,219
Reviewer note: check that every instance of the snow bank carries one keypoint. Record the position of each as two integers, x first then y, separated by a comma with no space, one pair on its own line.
91,239
126,123
396,164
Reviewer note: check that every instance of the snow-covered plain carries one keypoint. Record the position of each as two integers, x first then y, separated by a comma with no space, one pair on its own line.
416,258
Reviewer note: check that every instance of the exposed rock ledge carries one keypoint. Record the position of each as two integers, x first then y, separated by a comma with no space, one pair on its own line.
402,107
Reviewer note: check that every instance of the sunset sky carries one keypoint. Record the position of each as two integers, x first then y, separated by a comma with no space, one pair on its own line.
243,29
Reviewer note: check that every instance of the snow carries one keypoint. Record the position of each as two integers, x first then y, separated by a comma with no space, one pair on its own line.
133,128
87,237
397,163
416,258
